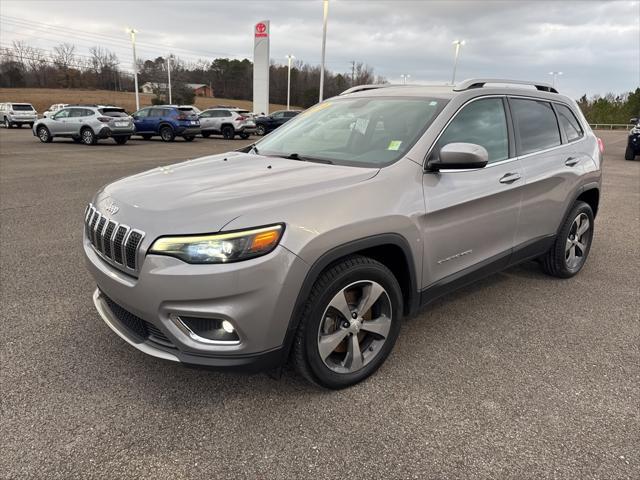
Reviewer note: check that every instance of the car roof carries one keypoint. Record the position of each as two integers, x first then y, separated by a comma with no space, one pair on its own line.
471,87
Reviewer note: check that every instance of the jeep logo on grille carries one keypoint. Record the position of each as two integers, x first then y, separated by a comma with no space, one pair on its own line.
112,208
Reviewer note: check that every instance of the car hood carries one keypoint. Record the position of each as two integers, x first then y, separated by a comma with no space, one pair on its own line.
205,194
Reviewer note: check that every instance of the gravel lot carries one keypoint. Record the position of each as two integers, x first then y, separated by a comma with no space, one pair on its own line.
519,376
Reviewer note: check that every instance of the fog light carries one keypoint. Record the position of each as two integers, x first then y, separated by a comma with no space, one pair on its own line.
208,330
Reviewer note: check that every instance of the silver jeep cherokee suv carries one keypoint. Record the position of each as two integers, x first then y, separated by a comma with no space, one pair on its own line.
314,243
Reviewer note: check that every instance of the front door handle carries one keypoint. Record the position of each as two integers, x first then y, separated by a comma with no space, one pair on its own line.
571,161
510,178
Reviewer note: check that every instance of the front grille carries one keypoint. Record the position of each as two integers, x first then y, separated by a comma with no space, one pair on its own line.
117,243
141,328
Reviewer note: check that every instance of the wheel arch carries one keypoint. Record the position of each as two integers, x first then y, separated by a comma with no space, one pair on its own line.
390,249
590,194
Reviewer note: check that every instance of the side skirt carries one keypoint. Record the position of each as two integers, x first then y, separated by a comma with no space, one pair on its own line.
519,254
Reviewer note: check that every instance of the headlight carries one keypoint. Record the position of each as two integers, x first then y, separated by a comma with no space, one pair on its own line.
220,247
635,130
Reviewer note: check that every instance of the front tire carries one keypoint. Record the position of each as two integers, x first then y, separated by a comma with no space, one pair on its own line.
349,323
167,134
189,138
146,137
244,136
260,130
7,123
206,134
121,140
571,248
44,135
629,153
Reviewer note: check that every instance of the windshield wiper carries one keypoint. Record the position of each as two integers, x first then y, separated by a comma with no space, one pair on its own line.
304,158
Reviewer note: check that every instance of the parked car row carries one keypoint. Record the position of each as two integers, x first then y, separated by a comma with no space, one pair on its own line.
89,123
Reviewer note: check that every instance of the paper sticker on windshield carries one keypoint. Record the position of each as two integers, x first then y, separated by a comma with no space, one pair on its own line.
394,145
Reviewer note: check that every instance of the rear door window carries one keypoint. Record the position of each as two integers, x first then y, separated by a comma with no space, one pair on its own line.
569,123
482,122
536,125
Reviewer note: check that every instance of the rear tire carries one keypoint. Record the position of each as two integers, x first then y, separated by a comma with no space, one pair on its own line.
88,137
244,136
206,134
260,130
146,137
629,153
189,138
44,135
76,139
121,140
334,349
571,248
167,134
228,132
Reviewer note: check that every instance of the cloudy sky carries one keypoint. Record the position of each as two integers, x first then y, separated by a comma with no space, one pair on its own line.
596,44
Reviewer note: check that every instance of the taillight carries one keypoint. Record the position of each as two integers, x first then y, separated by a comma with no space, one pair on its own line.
182,116
600,145
241,119
104,119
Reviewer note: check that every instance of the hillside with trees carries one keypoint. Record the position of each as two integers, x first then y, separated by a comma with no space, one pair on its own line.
63,67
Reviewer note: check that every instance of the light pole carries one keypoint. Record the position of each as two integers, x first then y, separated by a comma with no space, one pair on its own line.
554,75
169,77
458,44
404,78
289,58
133,32
325,9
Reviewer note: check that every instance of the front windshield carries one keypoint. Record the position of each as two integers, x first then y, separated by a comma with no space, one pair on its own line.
374,131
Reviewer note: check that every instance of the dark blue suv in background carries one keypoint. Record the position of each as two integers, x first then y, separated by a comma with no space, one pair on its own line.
167,121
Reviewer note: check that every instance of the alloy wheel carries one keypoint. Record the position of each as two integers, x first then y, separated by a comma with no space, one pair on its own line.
577,241
354,327
87,137
43,134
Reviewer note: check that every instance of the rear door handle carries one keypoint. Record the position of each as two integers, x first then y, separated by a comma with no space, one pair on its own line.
571,161
510,178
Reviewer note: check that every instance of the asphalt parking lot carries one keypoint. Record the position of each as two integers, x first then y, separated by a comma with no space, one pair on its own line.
519,376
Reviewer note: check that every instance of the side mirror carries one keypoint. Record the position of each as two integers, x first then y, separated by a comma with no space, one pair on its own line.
460,156
135,117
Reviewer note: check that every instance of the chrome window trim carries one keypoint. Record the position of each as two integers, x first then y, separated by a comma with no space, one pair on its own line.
474,99
510,159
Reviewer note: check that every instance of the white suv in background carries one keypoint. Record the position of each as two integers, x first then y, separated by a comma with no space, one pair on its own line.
227,122
17,114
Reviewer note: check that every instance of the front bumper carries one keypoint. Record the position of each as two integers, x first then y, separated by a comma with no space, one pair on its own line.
257,296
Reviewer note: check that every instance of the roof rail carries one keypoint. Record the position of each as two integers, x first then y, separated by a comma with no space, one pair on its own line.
363,88
480,82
